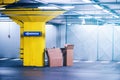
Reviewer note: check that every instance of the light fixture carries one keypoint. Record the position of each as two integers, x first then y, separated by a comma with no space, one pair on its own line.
68,7
2,8
116,16
41,1
88,17
106,11
48,8
87,1
81,17
97,17
97,6
69,24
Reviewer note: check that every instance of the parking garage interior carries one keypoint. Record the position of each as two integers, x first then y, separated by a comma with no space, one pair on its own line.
91,26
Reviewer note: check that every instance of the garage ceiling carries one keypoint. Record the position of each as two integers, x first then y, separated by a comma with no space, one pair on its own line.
96,12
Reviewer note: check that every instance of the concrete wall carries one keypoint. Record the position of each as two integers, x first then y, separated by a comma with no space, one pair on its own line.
9,46
52,36
62,35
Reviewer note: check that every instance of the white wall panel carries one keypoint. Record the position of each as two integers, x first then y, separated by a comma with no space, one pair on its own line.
95,42
51,36
105,42
85,40
116,55
9,47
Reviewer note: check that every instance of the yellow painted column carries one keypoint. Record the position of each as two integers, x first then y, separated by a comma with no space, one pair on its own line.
34,45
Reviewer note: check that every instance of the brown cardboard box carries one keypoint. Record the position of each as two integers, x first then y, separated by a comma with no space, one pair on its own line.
68,55
55,58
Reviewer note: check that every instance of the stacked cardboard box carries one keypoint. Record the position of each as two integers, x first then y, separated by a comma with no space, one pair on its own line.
55,57
68,57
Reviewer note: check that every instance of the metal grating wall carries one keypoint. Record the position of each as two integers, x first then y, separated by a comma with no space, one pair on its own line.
95,42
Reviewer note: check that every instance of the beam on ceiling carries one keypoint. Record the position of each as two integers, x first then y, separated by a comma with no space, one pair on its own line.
11,10
32,14
85,3
39,4
55,15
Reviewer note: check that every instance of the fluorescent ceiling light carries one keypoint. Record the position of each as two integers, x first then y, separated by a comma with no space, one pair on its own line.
85,17
87,1
97,17
116,16
68,7
97,6
2,8
81,17
106,11
48,8
69,24
110,13
89,16
42,1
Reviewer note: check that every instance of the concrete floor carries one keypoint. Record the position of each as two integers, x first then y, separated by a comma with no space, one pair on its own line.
13,70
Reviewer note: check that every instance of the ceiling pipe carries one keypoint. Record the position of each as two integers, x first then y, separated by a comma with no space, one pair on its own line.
79,3
63,3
